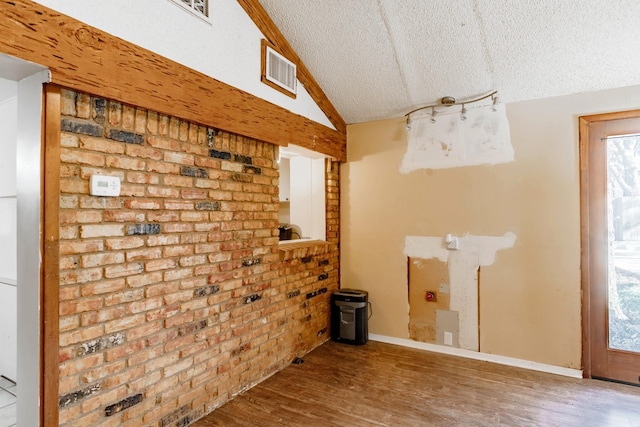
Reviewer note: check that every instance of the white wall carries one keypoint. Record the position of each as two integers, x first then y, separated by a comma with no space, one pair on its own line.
227,48
8,273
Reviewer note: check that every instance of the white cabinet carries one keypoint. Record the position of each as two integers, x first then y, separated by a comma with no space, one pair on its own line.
8,330
307,209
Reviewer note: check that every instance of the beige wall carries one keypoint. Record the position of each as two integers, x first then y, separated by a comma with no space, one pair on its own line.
530,296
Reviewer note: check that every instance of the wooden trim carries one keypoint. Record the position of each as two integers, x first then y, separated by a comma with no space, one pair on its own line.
89,60
264,23
630,114
584,239
263,68
50,345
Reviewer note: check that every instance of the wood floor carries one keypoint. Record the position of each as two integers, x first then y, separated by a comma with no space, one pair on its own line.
385,385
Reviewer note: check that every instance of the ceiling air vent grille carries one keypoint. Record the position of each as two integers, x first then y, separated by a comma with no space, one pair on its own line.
199,8
278,72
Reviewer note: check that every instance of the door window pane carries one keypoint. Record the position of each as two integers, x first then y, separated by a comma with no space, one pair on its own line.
623,211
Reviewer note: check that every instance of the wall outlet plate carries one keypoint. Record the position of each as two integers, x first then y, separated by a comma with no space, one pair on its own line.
448,338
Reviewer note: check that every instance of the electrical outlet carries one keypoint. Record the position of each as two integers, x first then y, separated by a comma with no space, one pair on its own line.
448,338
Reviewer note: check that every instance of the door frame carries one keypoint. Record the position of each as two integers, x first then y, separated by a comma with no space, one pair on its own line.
591,263
50,241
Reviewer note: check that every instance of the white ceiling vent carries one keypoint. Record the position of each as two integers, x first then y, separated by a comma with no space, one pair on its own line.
278,71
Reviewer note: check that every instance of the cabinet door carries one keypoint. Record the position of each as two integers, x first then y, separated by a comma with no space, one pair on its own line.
285,180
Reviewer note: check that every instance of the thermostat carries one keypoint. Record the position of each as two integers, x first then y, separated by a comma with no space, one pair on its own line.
101,185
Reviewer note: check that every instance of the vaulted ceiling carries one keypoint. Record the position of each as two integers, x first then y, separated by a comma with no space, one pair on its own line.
378,59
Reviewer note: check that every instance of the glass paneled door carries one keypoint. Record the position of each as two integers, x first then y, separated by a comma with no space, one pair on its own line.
610,205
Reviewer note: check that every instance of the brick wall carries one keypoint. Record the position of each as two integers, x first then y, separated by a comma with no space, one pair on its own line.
176,296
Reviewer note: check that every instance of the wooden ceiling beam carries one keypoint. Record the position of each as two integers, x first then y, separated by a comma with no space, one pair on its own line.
89,60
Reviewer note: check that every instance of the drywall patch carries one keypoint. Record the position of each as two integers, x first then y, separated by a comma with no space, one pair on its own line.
483,138
463,264
447,328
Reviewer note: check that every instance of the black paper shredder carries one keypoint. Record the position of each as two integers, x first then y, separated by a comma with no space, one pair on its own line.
349,316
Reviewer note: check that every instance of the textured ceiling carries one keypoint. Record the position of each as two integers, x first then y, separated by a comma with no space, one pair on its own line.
378,59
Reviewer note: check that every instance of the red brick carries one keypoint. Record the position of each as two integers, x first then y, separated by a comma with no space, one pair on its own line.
161,264
124,243
123,323
143,331
163,143
89,231
165,192
125,163
67,155
142,178
140,280
94,260
80,335
144,254
127,269
142,204
163,216
141,285
80,276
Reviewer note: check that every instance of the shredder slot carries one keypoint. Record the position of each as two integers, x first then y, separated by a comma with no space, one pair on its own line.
350,304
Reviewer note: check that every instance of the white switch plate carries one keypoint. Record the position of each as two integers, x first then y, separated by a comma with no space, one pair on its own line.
102,185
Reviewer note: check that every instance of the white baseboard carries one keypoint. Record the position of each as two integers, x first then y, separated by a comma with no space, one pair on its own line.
502,360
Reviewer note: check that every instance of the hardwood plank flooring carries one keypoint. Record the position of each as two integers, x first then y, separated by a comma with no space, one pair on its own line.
381,384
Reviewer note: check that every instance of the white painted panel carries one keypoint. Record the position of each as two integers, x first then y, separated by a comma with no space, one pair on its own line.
227,49
8,331
300,186
8,250
8,88
8,130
